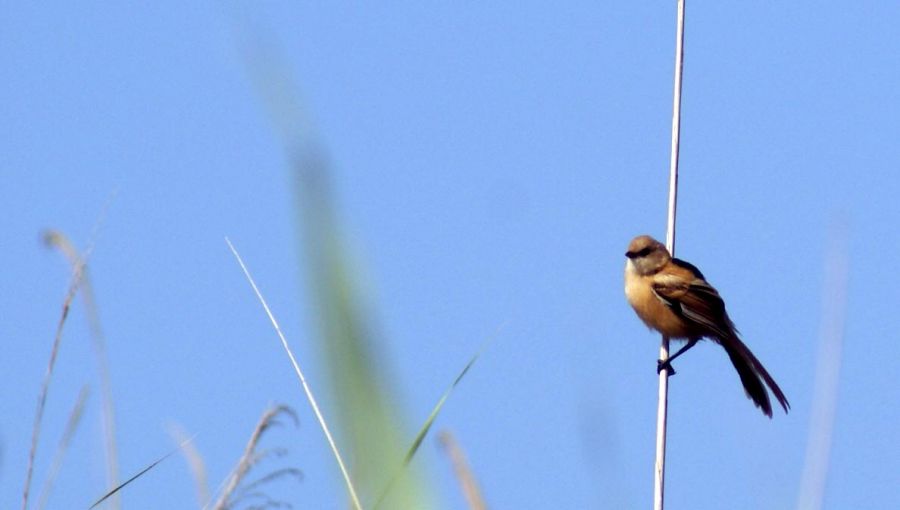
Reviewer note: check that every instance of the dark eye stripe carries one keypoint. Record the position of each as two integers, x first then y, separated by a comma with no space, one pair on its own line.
641,253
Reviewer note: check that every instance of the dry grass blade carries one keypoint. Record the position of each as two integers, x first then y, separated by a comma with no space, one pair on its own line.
56,463
467,481
309,395
138,475
58,240
195,464
48,375
250,456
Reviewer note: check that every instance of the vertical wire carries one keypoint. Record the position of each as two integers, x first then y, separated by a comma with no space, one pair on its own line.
662,408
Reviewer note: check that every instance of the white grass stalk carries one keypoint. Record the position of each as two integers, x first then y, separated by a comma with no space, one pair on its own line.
659,477
309,395
828,369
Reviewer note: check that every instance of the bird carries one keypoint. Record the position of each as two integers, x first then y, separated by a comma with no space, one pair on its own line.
673,297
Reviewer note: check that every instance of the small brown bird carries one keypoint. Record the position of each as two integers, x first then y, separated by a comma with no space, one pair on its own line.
672,297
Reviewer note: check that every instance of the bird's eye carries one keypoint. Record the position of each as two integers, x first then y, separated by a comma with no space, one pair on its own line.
644,252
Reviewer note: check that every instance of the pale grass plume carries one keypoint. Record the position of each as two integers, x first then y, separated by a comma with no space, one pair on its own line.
233,491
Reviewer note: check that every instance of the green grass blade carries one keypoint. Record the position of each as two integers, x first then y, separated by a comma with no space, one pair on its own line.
138,475
369,421
426,427
434,412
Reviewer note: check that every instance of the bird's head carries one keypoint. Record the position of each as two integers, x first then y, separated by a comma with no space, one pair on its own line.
647,255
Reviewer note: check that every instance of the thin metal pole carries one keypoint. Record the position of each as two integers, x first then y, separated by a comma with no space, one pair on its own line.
662,409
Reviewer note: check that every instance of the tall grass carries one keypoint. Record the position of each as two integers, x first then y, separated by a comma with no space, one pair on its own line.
370,423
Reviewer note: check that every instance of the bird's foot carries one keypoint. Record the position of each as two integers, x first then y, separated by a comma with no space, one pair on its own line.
664,365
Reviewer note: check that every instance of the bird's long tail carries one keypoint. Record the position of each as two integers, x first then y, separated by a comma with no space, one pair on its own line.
753,373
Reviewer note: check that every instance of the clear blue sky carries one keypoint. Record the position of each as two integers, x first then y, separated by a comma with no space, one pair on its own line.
491,164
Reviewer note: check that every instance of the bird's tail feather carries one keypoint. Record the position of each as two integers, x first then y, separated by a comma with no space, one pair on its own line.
752,375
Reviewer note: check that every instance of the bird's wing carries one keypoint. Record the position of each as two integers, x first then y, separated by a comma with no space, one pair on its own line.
695,300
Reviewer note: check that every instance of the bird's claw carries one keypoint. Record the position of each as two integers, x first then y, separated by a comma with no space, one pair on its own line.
664,365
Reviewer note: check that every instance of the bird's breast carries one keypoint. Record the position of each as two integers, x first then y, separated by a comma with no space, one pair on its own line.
655,314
